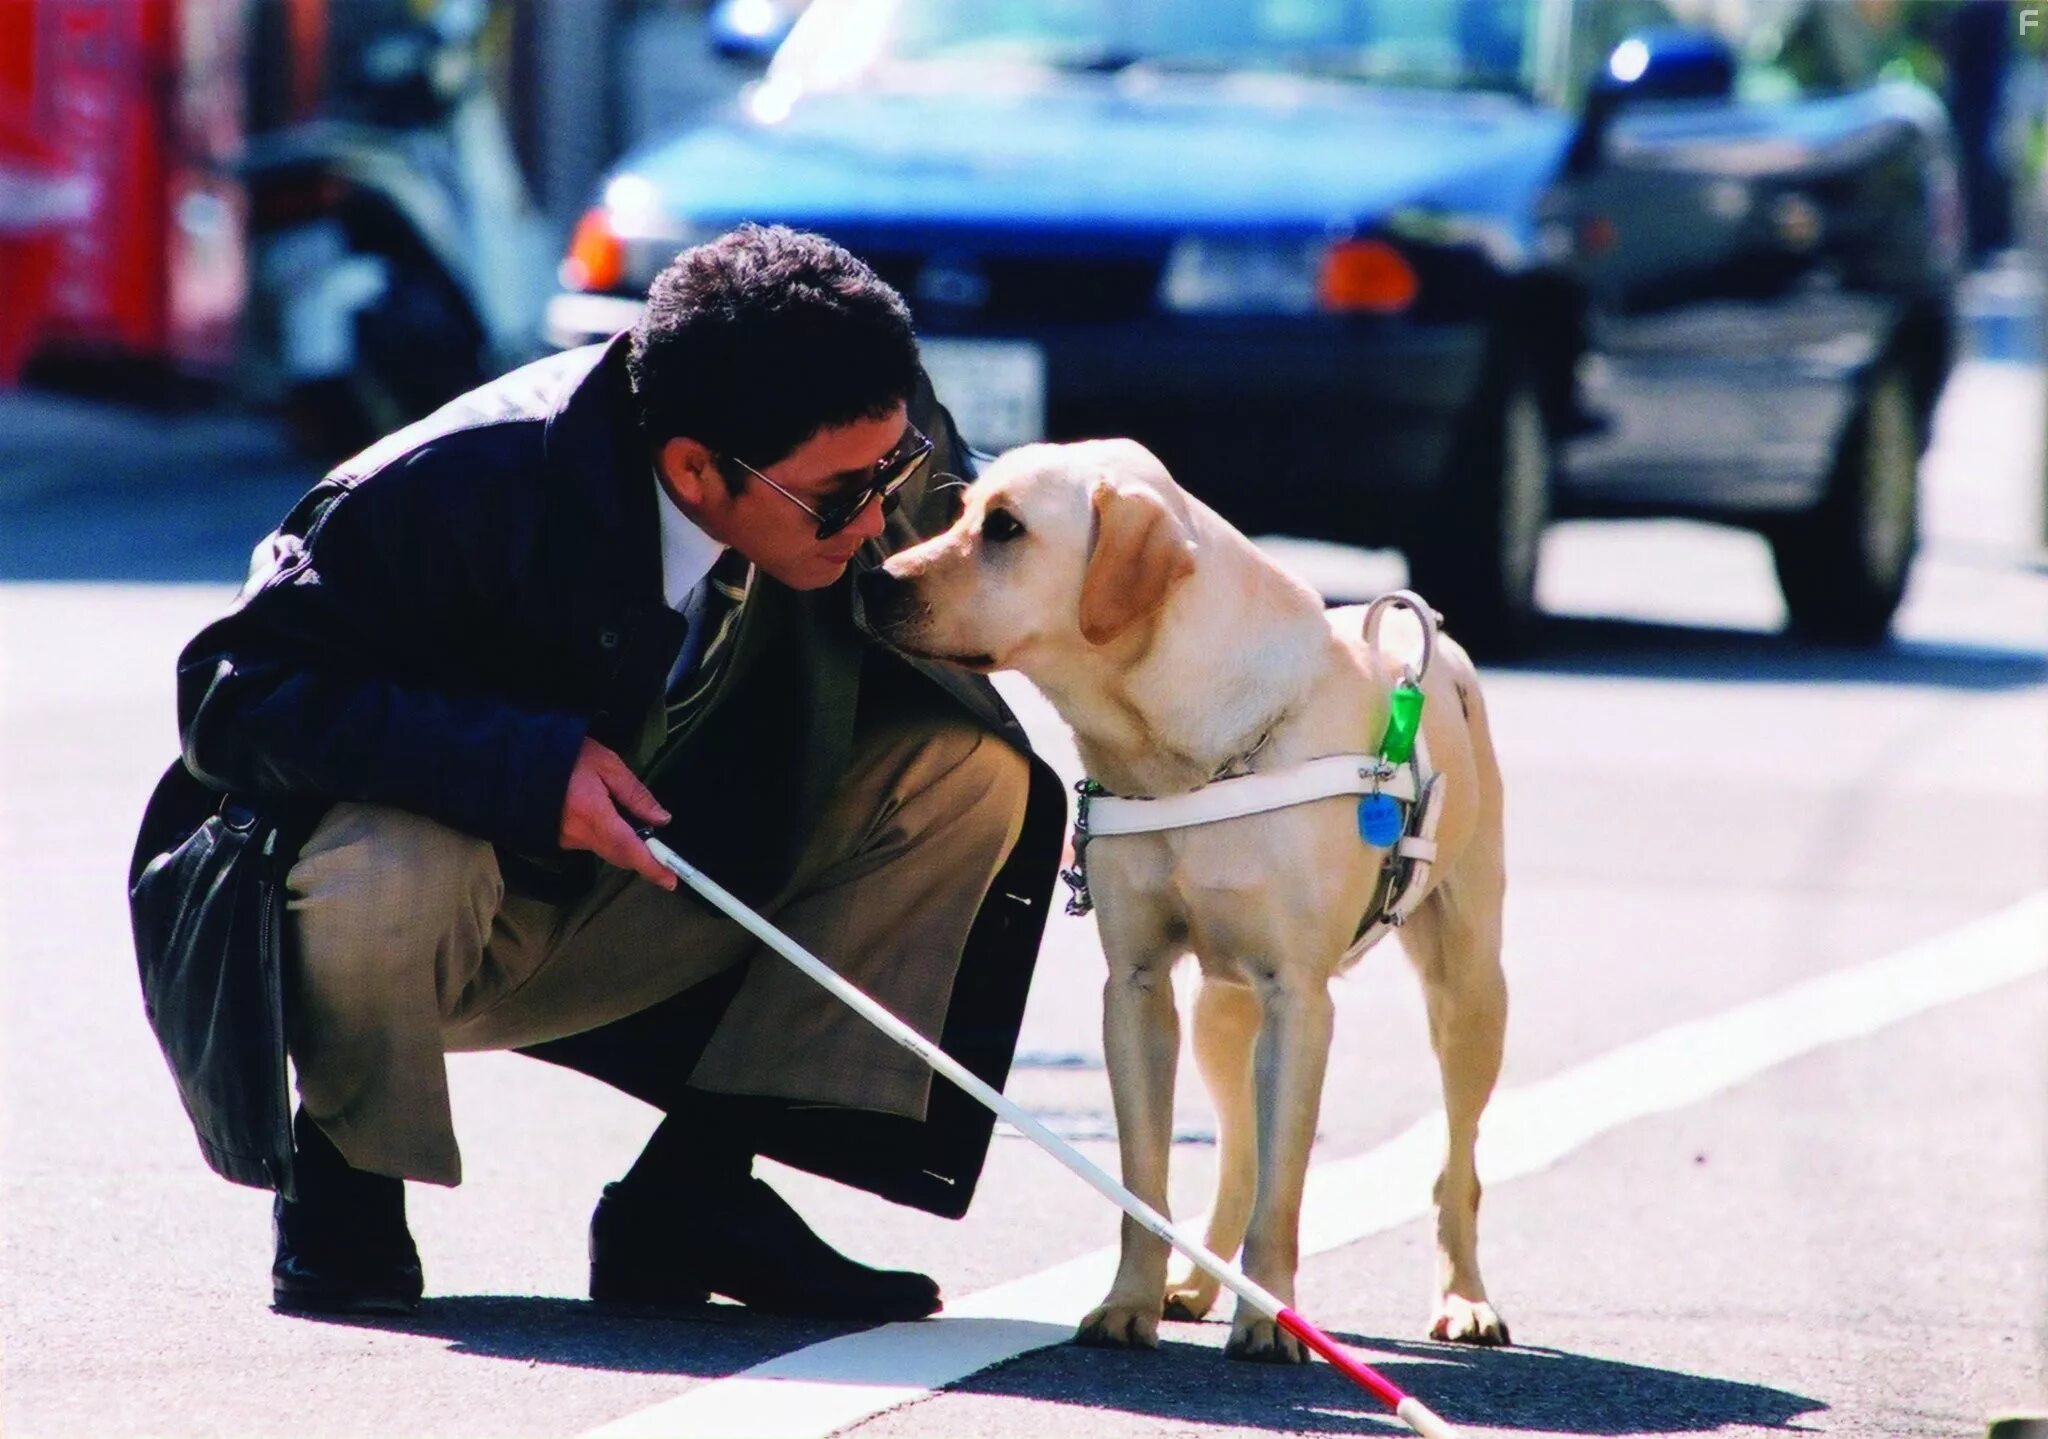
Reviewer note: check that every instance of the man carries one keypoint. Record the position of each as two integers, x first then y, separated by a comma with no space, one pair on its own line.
609,590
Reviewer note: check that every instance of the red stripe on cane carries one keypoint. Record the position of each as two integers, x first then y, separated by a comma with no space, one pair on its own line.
1338,1355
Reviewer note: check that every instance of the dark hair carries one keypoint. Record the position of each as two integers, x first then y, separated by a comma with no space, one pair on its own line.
756,341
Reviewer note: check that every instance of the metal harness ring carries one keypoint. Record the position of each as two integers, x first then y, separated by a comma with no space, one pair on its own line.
1425,616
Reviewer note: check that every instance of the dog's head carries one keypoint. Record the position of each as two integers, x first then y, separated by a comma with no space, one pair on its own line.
1060,549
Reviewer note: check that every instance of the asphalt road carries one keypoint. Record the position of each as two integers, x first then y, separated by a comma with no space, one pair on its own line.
1743,1182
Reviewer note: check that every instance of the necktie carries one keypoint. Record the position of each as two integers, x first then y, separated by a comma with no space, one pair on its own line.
711,631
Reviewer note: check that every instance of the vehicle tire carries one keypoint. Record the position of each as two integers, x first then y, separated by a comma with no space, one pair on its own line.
331,419
1475,555
1843,564
416,347
421,344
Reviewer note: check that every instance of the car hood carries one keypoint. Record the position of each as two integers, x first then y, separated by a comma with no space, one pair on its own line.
1241,153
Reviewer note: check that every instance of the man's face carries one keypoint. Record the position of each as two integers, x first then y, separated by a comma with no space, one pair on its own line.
772,529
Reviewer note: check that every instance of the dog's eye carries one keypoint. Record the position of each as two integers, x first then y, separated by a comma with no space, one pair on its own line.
1000,527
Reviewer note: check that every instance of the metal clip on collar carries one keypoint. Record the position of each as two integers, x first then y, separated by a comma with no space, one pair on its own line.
1426,616
1076,878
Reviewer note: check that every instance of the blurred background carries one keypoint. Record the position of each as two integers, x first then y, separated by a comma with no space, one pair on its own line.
1425,276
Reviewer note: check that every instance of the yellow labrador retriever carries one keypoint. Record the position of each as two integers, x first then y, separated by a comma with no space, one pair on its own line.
1178,653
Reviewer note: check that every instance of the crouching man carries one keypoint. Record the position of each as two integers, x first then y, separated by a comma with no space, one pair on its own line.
607,590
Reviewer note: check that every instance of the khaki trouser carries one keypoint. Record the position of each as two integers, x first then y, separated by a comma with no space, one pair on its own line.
411,946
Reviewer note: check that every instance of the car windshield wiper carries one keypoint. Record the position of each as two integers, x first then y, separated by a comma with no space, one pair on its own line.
1078,57
1044,53
1195,62
1105,58
1411,77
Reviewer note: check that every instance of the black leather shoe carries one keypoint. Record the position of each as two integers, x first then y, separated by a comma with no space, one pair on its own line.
342,1245
741,1240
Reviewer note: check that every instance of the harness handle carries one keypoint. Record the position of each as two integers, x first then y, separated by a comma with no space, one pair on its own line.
1424,614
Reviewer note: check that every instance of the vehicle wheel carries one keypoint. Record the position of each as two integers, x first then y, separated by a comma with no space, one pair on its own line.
416,347
331,419
1843,564
1475,557
420,343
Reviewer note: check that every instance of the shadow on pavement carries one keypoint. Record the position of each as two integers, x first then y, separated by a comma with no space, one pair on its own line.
719,1340
1642,649
1542,1390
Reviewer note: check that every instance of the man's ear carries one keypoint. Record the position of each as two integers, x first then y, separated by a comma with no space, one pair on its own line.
1141,552
689,470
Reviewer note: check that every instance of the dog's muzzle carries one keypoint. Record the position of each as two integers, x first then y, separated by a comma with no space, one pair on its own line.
885,600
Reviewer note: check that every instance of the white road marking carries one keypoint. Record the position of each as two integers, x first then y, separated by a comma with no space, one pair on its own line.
824,1388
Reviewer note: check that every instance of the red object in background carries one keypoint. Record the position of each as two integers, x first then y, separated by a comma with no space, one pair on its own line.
141,99
37,198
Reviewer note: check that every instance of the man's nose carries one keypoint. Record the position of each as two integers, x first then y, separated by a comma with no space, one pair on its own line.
869,523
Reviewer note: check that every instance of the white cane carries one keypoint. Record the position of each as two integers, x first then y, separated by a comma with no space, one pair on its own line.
1417,1415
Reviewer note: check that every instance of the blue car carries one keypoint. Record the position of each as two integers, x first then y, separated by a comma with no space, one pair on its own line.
1423,273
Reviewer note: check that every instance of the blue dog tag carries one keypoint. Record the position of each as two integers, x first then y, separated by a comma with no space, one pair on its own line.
1379,820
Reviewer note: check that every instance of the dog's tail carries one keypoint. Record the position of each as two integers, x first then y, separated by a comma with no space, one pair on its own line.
1464,677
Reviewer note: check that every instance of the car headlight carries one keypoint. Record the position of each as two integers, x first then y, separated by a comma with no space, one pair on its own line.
1208,275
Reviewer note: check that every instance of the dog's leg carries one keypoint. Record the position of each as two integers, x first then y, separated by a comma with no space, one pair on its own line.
1292,1052
1226,1028
1454,941
1141,1042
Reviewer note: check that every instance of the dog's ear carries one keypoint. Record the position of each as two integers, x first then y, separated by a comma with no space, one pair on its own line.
1140,552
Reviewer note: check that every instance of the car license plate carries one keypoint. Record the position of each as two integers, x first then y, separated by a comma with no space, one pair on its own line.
995,389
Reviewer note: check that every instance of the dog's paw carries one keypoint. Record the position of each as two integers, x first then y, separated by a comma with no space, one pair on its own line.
1191,1298
1264,1342
1120,1326
1466,1321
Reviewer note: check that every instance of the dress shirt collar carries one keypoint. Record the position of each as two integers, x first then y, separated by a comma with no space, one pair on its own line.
687,553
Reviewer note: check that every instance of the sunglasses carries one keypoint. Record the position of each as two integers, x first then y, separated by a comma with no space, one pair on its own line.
890,474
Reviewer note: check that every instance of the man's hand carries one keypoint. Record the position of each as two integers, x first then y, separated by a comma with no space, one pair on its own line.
599,788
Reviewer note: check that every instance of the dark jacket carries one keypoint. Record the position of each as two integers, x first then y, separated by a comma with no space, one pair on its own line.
436,626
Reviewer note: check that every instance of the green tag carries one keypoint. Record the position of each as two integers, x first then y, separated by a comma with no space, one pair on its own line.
1404,722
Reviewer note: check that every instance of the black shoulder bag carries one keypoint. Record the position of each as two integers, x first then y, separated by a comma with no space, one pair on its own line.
208,908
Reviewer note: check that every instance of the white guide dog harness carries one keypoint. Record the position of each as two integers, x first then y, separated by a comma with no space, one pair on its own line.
1409,783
